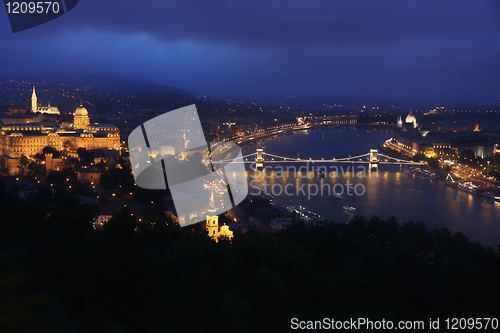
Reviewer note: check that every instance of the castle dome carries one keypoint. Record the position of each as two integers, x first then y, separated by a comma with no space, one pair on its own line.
81,111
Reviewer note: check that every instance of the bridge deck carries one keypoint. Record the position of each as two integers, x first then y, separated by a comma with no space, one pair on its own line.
355,159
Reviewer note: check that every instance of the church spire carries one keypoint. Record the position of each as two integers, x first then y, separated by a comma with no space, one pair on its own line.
34,104
212,224
211,207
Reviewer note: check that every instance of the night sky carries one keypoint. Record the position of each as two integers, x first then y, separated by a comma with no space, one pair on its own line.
435,51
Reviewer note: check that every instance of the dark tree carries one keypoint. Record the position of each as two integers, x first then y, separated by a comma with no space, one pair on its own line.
122,224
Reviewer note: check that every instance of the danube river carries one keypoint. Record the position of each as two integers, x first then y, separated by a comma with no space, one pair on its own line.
388,192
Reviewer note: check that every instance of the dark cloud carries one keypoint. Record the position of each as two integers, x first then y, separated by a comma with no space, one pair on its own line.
290,22
415,50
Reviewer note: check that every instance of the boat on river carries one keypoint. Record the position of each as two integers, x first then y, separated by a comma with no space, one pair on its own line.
336,195
420,173
319,172
409,171
349,209
471,188
260,192
304,214
492,196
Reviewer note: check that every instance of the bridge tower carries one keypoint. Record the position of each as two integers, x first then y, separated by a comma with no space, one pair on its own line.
373,159
260,159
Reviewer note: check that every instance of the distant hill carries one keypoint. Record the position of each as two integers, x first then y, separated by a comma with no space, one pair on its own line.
105,82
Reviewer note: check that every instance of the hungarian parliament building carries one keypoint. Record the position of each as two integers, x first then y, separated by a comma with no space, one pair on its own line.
29,139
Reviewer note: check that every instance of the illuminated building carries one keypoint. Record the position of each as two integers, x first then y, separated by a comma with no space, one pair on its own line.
212,224
30,139
410,119
400,122
105,214
40,109
81,118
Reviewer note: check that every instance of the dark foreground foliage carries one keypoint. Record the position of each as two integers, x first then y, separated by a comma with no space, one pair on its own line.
58,274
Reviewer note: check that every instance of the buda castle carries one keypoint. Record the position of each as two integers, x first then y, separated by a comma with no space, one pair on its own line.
30,139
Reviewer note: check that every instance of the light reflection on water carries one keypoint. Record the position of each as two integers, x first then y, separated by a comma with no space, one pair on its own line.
390,192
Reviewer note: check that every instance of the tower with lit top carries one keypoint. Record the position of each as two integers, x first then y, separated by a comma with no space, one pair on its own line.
212,224
42,109
34,104
212,218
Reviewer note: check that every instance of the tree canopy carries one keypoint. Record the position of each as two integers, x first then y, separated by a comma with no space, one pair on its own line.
149,276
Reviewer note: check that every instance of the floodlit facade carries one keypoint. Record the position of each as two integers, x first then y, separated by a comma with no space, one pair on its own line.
30,139
410,119
212,224
41,109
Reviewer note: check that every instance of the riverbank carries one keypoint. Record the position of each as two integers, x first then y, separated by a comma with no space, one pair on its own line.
254,137
440,172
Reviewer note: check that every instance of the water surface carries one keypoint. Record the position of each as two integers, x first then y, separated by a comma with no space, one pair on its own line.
388,192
